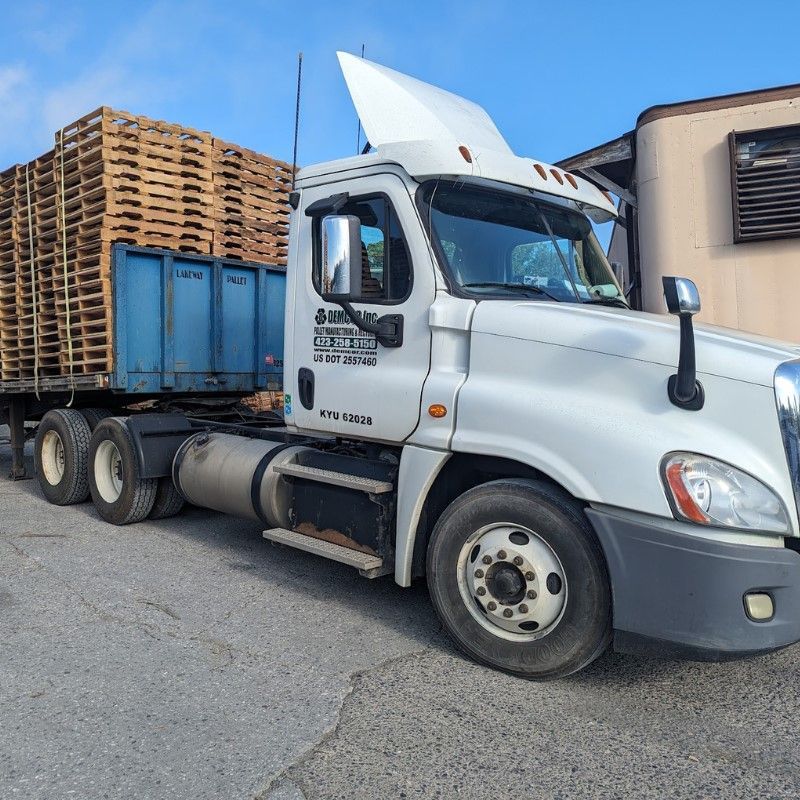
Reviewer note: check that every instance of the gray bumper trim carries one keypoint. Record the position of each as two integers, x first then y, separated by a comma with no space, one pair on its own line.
680,595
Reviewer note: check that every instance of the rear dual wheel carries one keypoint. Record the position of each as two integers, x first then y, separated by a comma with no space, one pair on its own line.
60,454
120,495
519,581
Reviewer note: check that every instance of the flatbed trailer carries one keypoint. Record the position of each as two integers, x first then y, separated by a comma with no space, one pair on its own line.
190,332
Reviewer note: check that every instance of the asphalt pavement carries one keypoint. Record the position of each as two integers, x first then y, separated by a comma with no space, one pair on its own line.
189,658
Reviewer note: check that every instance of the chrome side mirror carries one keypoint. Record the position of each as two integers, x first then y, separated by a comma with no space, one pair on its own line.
681,296
341,276
683,300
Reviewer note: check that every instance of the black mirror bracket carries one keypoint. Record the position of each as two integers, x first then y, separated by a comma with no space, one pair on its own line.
388,329
683,388
694,403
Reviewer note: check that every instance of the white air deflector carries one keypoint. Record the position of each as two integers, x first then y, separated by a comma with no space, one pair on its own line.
397,108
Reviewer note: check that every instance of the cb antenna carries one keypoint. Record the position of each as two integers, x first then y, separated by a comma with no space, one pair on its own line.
358,139
297,116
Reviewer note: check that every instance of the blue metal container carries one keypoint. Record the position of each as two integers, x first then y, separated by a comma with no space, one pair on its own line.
189,323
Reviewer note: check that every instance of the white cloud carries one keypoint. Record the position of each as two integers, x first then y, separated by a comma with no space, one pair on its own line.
111,85
14,107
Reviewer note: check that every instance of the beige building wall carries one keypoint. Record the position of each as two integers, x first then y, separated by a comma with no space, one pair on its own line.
686,222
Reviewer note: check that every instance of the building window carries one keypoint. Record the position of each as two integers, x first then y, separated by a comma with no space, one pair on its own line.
765,180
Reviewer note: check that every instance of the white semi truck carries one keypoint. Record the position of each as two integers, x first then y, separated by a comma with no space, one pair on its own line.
469,398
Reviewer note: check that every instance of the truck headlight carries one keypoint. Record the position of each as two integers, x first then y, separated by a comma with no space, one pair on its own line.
710,492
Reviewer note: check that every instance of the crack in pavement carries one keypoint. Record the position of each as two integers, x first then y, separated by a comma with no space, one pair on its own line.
353,679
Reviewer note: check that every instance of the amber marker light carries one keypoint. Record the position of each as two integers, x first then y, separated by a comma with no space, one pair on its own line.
571,180
465,153
557,175
437,410
686,503
540,169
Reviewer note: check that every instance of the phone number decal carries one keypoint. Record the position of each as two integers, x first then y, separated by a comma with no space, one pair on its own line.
345,343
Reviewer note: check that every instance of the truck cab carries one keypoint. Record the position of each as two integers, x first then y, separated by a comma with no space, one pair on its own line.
470,398
520,360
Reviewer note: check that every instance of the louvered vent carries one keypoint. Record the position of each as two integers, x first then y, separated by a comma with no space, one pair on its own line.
765,173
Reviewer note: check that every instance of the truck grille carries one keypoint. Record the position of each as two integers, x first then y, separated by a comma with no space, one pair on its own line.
787,398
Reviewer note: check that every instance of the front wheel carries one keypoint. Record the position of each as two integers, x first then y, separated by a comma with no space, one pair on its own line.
519,581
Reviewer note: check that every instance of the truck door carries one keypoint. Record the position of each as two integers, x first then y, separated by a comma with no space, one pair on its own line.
342,380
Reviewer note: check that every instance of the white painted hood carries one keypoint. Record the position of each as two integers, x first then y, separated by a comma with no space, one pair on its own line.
650,338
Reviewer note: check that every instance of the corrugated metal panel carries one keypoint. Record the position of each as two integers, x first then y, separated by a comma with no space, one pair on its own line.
189,323
765,182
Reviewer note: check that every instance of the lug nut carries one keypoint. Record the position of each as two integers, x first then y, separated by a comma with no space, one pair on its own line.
491,605
518,560
531,595
508,612
502,554
487,559
523,609
480,590
478,573
529,576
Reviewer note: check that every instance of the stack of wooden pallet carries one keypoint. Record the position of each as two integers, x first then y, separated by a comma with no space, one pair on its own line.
264,401
251,213
117,177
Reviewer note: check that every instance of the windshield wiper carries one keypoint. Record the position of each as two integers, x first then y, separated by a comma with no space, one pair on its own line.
514,287
617,302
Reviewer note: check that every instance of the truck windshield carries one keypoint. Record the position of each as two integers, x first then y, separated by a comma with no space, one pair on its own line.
496,243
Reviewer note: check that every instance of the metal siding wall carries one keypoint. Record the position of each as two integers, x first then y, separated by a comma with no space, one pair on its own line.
189,323
239,314
142,311
275,306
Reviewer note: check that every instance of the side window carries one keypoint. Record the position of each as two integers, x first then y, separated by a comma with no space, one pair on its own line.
385,263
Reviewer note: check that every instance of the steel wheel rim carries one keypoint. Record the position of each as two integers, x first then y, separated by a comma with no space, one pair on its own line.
108,472
53,459
520,592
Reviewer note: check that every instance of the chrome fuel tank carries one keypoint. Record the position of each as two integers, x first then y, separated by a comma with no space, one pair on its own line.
235,475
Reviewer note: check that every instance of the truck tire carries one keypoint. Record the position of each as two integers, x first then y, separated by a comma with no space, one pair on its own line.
61,453
94,416
169,501
519,580
119,494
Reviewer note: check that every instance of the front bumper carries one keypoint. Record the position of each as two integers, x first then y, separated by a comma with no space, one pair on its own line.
681,596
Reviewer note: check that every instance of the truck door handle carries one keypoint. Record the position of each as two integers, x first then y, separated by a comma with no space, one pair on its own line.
305,387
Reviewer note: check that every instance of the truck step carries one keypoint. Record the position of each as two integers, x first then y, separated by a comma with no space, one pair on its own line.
371,485
368,565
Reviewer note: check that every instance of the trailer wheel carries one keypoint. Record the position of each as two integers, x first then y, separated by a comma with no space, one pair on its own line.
94,416
519,580
169,501
61,453
119,494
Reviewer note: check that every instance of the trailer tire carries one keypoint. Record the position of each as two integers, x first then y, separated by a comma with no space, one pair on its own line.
119,494
94,416
61,453
169,501
519,580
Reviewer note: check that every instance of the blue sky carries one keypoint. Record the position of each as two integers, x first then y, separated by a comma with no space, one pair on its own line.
556,77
